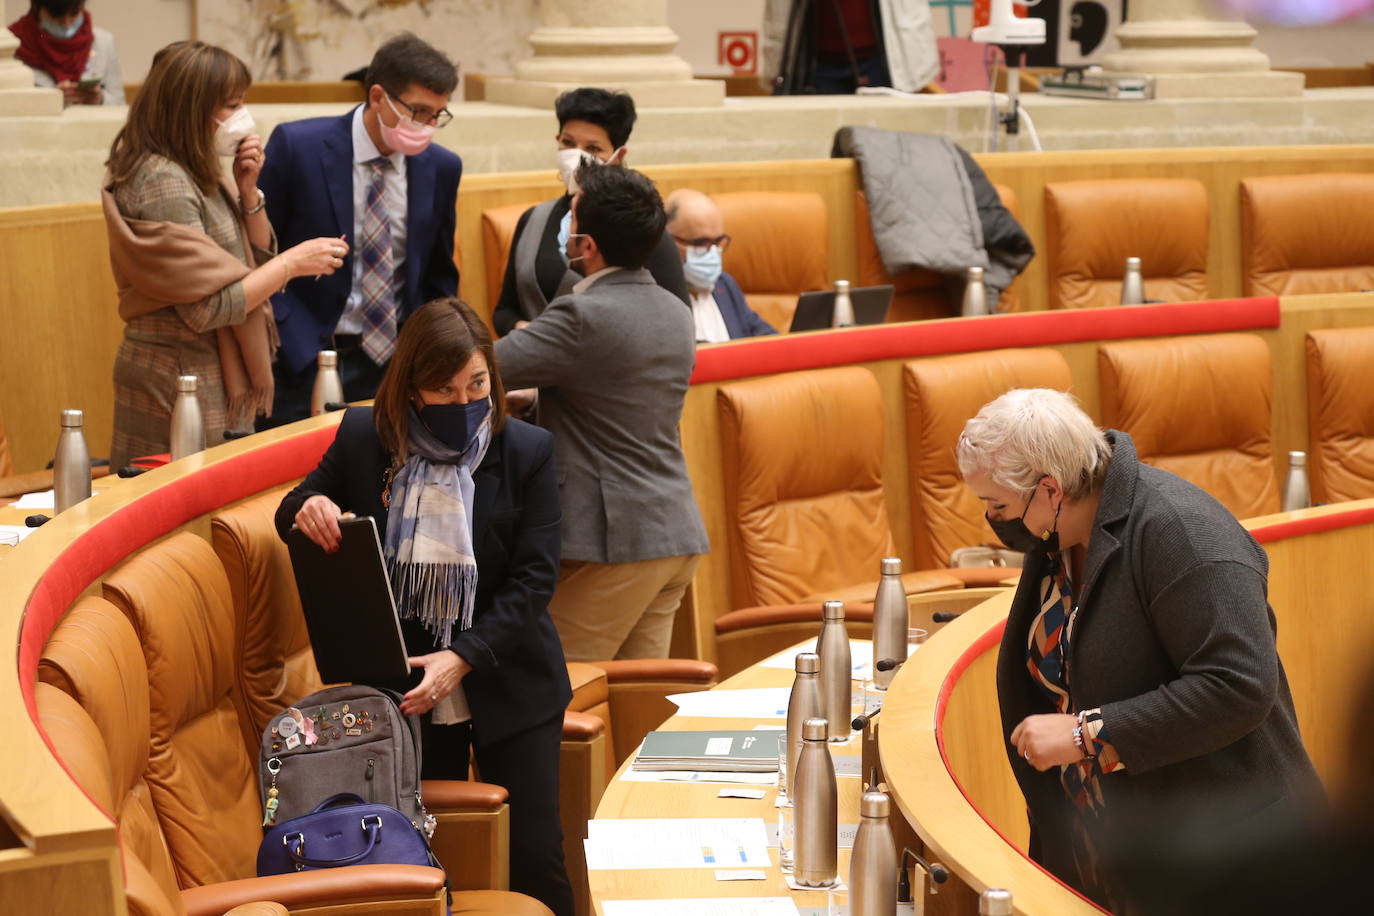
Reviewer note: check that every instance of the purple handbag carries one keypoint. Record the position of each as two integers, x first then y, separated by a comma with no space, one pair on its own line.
343,830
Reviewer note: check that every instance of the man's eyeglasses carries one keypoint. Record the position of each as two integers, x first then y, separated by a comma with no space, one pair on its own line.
705,243
422,115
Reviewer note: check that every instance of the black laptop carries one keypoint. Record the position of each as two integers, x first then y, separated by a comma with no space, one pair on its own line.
816,310
349,608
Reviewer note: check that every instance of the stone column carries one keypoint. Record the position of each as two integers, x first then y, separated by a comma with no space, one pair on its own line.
1191,53
614,44
18,96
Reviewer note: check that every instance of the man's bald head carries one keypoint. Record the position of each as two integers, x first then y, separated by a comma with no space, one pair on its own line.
693,215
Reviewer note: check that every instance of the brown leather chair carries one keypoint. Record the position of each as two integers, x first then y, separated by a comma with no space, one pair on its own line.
1199,407
498,231
919,294
1305,234
779,249
202,780
1340,414
1092,227
94,703
942,394
802,455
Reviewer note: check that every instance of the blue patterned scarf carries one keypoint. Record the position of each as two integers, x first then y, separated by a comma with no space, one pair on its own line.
428,548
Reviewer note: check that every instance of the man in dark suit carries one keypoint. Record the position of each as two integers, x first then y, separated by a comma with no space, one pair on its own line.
372,178
718,307
612,361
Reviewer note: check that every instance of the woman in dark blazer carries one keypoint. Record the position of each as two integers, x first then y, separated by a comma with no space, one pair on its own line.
1140,686
466,502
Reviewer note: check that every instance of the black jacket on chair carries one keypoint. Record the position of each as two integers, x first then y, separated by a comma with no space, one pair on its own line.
519,678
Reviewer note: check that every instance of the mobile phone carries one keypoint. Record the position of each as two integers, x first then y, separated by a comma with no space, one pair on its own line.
87,83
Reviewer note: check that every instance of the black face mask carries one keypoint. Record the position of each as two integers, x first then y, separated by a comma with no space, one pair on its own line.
455,424
1014,534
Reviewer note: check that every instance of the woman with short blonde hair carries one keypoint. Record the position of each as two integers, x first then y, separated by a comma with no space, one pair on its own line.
1138,670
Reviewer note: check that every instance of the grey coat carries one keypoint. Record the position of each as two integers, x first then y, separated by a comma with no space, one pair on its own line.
612,365
1175,641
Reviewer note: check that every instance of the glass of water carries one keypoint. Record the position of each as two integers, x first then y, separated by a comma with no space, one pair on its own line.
915,638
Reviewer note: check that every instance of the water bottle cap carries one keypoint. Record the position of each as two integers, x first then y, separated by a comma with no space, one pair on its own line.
975,273
832,610
1297,459
73,419
995,902
808,663
814,730
1133,263
875,804
892,566
841,286
186,383
328,359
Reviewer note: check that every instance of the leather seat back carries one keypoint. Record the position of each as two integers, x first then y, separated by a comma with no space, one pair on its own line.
1199,407
203,783
942,394
779,249
1340,414
276,664
919,294
1304,234
803,455
101,733
1092,227
498,232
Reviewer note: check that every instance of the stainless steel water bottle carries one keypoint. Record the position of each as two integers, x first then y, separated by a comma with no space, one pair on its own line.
71,465
836,670
328,386
873,864
817,812
188,426
1132,286
1296,492
995,902
975,294
843,315
889,620
803,703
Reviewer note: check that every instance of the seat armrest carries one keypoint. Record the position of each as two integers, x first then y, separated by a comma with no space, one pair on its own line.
581,726
324,887
658,669
446,795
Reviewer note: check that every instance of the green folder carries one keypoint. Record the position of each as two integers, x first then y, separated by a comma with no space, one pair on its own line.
711,751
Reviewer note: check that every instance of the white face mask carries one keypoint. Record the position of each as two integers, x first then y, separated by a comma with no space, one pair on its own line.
232,131
570,160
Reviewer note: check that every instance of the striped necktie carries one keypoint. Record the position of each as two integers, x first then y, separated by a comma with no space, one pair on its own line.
378,287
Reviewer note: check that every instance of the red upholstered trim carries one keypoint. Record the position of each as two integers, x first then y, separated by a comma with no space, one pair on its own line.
124,531
1299,527
767,355
984,643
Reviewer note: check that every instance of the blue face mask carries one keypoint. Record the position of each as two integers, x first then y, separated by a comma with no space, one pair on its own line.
455,424
702,270
564,230
57,30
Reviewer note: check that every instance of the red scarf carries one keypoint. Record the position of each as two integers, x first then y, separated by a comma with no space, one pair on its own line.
64,59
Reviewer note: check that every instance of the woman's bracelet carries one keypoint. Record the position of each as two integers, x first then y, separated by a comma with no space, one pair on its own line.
262,202
1078,740
285,272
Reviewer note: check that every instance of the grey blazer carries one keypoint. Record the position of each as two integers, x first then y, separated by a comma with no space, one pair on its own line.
612,365
1175,641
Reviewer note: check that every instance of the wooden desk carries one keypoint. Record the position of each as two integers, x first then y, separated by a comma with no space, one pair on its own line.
666,799
9,515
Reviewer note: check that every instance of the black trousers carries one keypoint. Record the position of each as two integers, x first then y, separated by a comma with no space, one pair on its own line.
526,766
291,401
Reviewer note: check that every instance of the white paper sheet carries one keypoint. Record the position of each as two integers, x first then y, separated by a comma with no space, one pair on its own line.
860,656
22,531
739,779
46,499
703,906
844,835
755,703
692,842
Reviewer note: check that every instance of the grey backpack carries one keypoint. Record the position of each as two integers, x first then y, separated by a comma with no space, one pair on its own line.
342,739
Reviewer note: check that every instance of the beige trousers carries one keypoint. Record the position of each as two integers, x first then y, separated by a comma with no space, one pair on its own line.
606,611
